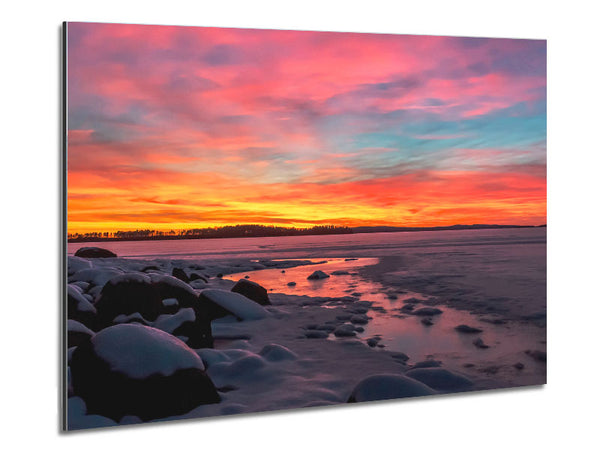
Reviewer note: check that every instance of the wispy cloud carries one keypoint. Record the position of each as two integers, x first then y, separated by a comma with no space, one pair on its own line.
165,119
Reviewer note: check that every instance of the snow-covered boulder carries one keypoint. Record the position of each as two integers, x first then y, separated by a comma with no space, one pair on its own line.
77,333
127,294
94,252
171,287
198,333
79,308
172,322
96,276
81,285
440,379
227,302
132,369
317,275
277,353
388,386
77,419
427,363
75,264
252,290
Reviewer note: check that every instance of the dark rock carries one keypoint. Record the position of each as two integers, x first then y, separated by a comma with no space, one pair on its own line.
151,268
292,283
467,329
494,321
317,275
490,370
399,356
126,294
359,319
94,252
180,274
316,334
427,321
427,312
427,363
140,371
340,272
538,355
372,342
326,327
480,344
519,366
345,330
253,291
194,276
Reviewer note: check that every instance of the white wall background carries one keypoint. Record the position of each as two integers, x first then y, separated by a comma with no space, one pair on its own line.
564,413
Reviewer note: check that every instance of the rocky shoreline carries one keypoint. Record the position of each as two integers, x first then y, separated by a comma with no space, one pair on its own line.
164,339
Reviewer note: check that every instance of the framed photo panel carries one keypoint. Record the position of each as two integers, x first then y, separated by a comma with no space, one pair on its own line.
261,220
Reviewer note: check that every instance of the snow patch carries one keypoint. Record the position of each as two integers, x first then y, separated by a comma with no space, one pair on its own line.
388,386
170,322
78,327
139,351
237,304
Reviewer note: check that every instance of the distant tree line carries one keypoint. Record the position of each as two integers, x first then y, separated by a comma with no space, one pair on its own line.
232,231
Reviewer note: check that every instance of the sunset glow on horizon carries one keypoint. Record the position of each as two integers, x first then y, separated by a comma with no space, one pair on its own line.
186,127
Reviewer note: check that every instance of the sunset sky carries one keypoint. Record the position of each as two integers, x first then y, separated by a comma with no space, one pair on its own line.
182,127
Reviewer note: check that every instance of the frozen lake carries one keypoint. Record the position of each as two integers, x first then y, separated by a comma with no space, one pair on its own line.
494,280
341,245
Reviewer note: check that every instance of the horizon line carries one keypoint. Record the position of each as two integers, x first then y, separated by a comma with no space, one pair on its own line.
315,227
